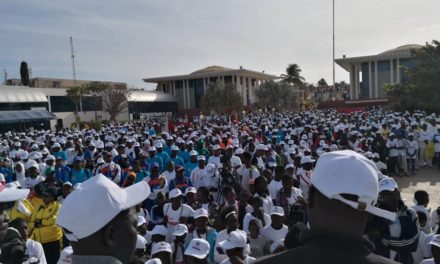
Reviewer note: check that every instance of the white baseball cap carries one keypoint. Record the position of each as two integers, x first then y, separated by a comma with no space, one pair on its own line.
277,210
180,230
101,200
50,157
141,220
239,151
193,153
388,184
235,239
10,193
159,230
235,162
348,172
154,261
190,190
174,148
201,212
289,166
151,149
198,248
141,242
201,157
307,159
160,247
175,193
216,147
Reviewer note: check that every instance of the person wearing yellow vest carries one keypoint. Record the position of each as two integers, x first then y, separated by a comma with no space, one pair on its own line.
43,227
22,208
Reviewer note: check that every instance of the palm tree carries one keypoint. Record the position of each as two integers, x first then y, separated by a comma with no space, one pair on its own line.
293,75
322,82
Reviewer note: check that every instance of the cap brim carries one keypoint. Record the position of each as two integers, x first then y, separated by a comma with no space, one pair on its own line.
180,233
279,214
10,194
136,194
195,255
369,208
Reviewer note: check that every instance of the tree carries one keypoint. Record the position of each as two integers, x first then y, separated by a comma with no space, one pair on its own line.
322,82
279,95
221,98
420,83
293,75
95,89
76,94
24,73
115,100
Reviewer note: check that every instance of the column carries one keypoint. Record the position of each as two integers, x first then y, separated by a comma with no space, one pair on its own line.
352,94
356,82
370,84
185,100
187,94
398,70
391,71
376,80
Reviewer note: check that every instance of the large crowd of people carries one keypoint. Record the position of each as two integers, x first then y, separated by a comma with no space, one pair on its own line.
217,189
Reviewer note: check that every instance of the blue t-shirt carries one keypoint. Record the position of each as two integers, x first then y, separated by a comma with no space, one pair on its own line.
79,176
60,154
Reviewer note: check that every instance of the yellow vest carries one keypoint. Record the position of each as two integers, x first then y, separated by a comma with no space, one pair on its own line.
15,213
48,231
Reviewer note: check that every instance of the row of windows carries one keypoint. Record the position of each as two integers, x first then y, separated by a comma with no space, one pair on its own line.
65,104
21,106
152,107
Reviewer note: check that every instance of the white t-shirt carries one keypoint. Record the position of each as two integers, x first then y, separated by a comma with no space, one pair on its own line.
30,183
274,187
214,160
169,175
267,203
199,177
175,215
248,217
272,235
247,260
248,174
35,249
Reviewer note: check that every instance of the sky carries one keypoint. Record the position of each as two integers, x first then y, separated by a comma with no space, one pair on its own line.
126,41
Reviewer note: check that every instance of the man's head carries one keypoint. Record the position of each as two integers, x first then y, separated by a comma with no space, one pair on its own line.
421,197
277,217
234,244
197,251
113,229
344,191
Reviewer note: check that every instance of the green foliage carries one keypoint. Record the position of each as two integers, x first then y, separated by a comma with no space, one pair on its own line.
293,75
24,73
221,98
420,89
322,82
279,95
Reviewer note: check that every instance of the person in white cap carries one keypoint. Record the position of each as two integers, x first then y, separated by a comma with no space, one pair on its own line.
192,163
199,176
396,239
197,251
342,196
202,230
178,245
104,231
175,212
305,173
162,251
140,255
34,177
215,157
10,239
393,154
276,230
234,246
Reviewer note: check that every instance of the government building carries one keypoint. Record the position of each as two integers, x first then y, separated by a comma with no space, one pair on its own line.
189,89
368,74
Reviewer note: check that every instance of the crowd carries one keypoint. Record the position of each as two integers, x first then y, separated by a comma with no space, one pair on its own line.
218,189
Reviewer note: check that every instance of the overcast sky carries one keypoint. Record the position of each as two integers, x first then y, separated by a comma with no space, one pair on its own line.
129,40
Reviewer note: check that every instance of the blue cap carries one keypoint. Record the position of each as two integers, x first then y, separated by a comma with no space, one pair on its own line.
155,164
77,159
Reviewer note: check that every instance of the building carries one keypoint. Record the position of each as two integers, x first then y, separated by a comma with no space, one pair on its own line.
42,82
368,74
23,107
189,89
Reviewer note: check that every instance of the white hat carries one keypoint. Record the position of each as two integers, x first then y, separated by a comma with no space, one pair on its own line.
159,230
388,184
239,151
289,166
174,148
10,193
190,190
174,193
307,159
193,153
141,220
50,157
102,198
57,145
154,261
435,241
180,230
216,147
24,155
261,147
235,162
276,210
348,172
17,144
201,157
158,145
160,247
198,248
141,242
201,212
235,239
151,149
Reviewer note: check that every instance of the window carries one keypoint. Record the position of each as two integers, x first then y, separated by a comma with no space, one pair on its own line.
21,106
65,104
383,66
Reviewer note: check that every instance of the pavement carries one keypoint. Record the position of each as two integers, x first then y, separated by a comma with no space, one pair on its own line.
428,179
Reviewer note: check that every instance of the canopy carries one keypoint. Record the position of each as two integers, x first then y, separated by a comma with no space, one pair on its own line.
10,117
10,94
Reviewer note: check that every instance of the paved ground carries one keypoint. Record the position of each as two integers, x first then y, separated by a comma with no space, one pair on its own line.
427,179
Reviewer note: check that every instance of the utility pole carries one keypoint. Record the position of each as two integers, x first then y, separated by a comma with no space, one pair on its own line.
334,87
5,77
72,56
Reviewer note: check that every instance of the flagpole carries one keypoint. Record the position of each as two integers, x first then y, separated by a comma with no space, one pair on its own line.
334,45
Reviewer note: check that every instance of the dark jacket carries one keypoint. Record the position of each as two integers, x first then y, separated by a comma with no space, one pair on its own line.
406,243
322,248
